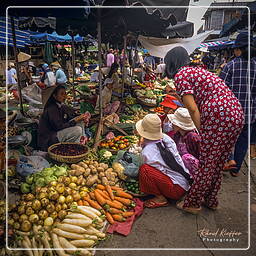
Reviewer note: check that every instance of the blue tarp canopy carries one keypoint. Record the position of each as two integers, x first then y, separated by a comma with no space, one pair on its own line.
22,37
53,37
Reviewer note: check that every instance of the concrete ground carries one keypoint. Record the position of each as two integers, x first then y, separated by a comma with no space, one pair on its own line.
168,227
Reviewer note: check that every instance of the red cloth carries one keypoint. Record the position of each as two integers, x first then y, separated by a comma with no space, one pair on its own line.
154,182
124,228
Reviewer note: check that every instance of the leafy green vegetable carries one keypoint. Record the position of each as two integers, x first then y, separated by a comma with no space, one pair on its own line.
47,172
25,188
40,182
61,171
30,179
49,179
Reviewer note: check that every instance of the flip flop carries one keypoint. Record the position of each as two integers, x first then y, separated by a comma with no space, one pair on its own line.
152,204
191,210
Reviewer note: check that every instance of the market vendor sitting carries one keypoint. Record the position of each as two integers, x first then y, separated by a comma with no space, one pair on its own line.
78,71
95,77
59,122
186,138
108,107
148,74
163,173
169,106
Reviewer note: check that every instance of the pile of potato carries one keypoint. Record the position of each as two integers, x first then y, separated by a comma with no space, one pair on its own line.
94,173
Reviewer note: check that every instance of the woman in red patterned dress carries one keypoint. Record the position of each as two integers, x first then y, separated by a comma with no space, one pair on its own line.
218,116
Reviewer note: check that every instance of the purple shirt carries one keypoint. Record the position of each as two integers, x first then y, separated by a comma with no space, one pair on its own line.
188,144
110,59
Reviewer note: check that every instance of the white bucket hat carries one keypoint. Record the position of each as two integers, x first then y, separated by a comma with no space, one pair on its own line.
182,119
11,64
150,127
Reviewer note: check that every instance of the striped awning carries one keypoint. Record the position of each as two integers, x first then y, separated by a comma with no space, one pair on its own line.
22,37
209,44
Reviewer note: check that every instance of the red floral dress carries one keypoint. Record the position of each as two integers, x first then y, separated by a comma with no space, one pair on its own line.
222,120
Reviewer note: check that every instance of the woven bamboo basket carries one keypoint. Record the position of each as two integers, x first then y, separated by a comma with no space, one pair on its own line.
67,159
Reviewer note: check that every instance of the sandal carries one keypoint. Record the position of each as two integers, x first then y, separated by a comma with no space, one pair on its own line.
191,210
229,166
152,204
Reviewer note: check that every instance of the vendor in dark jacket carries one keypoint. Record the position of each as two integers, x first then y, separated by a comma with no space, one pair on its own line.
58,122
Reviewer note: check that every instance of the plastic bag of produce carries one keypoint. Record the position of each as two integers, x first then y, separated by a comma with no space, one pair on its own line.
31,164
131,163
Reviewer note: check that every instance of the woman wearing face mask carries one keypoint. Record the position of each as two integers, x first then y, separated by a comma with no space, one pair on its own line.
59,123
217,115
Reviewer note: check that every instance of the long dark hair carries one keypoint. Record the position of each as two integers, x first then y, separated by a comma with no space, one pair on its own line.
113,67
174,60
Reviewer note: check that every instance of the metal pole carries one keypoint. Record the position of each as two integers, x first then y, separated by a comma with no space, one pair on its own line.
17,64
73,66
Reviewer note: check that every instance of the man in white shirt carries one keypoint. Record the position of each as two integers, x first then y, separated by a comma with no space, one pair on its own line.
11,75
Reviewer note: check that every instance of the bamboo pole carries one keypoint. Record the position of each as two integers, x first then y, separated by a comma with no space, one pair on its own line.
17,65
100,125
125,46
73,65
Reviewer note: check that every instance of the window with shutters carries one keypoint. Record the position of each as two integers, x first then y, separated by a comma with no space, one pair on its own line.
217,19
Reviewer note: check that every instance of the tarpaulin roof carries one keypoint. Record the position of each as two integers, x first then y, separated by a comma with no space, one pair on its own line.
54,37
22,37
215,43
224,45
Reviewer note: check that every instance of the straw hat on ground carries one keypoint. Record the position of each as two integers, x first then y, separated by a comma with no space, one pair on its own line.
182,119
47,93
150,127
22,56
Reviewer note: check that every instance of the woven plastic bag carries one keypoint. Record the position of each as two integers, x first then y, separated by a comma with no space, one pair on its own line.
31,164
131,163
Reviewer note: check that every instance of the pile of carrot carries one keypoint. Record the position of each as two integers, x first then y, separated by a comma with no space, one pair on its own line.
115,203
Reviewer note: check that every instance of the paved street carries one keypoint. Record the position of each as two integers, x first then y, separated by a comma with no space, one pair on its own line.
170,228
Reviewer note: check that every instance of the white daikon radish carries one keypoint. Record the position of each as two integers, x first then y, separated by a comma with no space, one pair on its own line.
66,234
83,243
71,228
78,222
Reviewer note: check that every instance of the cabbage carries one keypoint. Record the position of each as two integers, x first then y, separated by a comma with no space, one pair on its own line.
47,171
61,171
25,188
40,182
49,179
29,179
